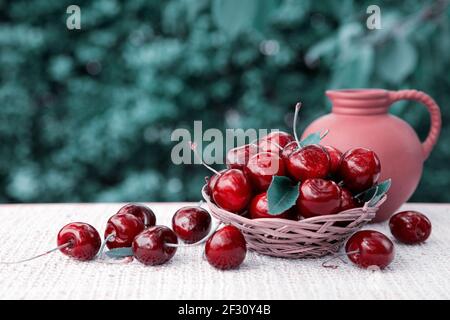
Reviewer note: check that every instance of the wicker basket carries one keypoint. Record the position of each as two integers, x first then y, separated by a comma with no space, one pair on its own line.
308,238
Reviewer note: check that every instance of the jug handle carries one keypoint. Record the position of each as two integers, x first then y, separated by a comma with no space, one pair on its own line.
433,109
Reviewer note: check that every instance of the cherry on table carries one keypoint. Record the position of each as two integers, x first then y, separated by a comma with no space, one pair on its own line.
83,241
410,227
121,229
262,167
259,208
191,224
232,190
312,161
144,213
369,248
226,248
318,197
237,158
359,169
150,246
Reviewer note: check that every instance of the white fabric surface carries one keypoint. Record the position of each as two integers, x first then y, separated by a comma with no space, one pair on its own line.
418,272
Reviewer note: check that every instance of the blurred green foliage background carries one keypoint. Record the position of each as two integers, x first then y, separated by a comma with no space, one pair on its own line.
86,115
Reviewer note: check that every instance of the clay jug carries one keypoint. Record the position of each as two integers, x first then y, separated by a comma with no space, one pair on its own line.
360,118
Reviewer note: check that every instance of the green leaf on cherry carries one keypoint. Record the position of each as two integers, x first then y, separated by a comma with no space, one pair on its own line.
119,253
374,194
313,138
281,195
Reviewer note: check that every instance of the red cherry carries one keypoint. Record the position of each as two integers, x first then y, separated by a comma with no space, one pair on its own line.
145,214
124,228
370,248
360,169
232,191
237,158
191,224
83,238
335,158
259,208
318,197
309,162
281,138
347,200
289,149
211,182
410,227
269,146
226,248
262,167
149,246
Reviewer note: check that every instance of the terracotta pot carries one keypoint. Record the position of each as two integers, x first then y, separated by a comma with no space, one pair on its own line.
360,118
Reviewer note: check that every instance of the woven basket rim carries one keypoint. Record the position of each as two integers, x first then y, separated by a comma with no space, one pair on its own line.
295,223
307,238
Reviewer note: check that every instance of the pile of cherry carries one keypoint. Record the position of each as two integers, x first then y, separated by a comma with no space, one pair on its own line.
132,231
329,182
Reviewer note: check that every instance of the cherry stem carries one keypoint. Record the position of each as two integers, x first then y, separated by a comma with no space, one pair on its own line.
337,256
298,106
65,245
324,134
102,248
194,150
183,245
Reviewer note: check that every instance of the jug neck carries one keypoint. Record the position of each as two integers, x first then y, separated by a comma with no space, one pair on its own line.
359,101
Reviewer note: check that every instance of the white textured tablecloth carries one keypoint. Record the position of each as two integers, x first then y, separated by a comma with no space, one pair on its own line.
418,272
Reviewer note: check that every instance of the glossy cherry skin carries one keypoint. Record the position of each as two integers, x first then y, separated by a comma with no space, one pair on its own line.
262,167
191,224
318,197
83,238
211,182
347,200
149,247
410,227
232,191
269,146
237,158
281,138
359,169
309,162
335,158
226,248
259,209
144,213
289,149
125,227
370,248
